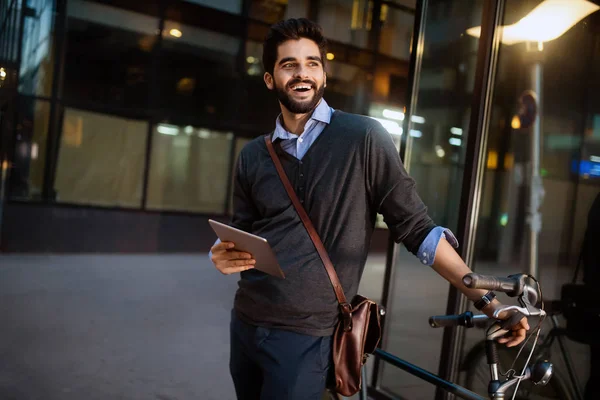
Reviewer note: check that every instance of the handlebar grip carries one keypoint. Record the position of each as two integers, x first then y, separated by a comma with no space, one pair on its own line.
442,321
465,319
512,285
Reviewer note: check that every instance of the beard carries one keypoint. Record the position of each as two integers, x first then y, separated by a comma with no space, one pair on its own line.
300,107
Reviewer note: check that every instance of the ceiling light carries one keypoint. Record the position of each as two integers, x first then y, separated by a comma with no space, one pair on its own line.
176,33
417,119
167,129
391,114
455,141
548,21
456,131
391,126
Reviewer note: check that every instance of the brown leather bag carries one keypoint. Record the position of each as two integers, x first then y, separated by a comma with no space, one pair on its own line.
358,331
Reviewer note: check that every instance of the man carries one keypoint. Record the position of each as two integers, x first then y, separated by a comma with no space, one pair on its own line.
345,169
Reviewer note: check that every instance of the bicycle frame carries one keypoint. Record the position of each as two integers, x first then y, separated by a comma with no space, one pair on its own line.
425,375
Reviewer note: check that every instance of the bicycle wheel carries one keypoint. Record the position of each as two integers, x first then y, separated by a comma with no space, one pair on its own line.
477,376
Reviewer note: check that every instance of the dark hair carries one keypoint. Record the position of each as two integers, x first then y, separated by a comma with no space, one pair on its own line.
291,29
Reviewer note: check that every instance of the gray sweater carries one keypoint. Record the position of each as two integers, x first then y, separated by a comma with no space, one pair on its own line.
351,172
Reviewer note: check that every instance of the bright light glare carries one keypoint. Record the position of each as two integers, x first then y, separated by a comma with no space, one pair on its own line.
594,159
250,60
189,129
455,141
456,131
391,126
439,151
167,129
548,21
516,122
416,134
391,114
330,56
176,33
417,119
2,73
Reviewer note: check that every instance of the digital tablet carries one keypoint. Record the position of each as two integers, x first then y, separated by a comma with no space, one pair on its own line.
259,247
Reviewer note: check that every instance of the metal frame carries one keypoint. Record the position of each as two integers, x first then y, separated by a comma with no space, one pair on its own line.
472,186
473,178
473,172
416,55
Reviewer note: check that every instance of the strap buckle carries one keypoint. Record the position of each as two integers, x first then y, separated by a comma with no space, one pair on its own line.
346,311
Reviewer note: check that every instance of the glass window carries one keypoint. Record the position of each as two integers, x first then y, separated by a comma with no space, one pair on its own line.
272,11
347,21
435,159
230,6
108,54
396,32
27,174
100,160
198,69
189,169
564,71
37,58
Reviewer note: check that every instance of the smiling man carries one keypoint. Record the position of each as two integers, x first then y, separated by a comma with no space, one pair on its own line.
344,169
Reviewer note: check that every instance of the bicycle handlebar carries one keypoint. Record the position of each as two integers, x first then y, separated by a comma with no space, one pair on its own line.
465,319
513,285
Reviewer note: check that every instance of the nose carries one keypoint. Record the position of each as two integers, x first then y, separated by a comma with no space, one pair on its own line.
301,72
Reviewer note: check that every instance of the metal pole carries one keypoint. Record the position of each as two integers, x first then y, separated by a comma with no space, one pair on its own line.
536,188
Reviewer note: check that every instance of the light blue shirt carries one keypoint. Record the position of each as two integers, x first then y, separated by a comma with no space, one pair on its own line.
298,145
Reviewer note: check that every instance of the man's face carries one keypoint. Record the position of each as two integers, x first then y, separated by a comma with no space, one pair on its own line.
298,77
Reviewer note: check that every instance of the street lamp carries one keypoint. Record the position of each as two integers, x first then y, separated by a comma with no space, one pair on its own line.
546,22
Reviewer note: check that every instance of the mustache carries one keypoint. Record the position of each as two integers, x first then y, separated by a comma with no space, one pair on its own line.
304,81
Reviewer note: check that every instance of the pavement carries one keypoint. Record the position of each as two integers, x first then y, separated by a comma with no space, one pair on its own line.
155,327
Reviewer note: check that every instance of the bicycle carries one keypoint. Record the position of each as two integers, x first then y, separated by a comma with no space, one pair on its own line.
559,387
500,385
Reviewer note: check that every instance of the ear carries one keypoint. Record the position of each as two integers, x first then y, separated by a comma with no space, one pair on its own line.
324,79
268,78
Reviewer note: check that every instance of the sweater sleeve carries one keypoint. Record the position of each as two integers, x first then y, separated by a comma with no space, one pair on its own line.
394,193
244,210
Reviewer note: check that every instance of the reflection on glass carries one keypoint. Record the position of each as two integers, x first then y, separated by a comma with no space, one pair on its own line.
437,133
197,71
189,169
108,54
567,158
27,173
37,58
396,32
230,6
270,11
347,21
101,160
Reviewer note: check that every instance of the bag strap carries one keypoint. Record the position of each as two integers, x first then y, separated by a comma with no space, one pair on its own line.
345,308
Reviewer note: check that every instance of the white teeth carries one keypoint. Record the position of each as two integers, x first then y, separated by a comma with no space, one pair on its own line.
301,87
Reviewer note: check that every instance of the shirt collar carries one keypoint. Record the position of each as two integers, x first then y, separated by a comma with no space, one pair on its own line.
322,114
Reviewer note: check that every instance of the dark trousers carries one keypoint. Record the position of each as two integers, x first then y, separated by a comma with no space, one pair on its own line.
276,364
592,390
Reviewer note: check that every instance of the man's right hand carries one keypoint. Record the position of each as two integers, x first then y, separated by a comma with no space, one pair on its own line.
229,261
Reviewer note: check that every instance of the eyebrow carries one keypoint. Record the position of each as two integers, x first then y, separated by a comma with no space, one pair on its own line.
288,59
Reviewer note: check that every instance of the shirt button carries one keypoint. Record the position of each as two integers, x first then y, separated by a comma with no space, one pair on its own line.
300,140
424,261
424,254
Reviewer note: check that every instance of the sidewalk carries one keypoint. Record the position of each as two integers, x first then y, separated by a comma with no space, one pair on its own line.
145,327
